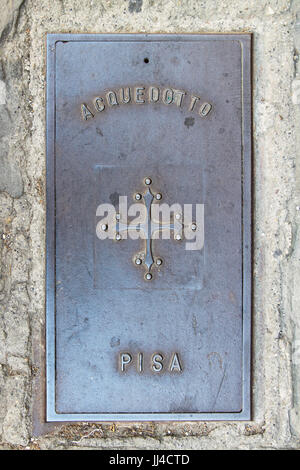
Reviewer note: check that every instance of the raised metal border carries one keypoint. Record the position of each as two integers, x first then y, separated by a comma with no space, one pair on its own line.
245,414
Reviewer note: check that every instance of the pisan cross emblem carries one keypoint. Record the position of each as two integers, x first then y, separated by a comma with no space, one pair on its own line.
149,228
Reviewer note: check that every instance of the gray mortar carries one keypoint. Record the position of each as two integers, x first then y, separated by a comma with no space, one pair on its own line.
276,99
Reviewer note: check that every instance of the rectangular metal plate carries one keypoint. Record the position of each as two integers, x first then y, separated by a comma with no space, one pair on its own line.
176,109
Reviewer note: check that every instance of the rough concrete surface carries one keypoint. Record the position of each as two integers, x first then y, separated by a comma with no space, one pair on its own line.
276,320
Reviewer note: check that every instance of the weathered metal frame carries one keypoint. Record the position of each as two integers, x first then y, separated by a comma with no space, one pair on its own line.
51,414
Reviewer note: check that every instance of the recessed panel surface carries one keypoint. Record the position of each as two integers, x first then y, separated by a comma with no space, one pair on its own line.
148,227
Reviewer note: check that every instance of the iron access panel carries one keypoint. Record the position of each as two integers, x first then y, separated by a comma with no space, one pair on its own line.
148,227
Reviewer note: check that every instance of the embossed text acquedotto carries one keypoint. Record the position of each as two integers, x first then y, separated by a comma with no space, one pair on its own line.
145,95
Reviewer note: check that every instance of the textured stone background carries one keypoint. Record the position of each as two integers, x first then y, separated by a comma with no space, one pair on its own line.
276,100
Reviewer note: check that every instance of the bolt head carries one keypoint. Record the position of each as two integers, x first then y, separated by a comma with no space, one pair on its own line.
118,237
148,276
138,261
178,216
104,227
148,181
118,216
158,196
178,237
138,197
194,227
159,261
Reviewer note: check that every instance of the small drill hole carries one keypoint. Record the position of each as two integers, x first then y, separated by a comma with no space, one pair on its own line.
146,60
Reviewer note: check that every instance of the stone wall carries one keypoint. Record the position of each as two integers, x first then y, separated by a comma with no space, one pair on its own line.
276,125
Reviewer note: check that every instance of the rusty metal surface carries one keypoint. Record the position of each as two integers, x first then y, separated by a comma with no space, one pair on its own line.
189,326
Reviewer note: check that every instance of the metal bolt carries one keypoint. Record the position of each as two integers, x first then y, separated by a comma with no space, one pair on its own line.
178,237
118,237
178,216
104,227
194,227
148,276
118,216
138,196
158,261
148,181
138,261
158,196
